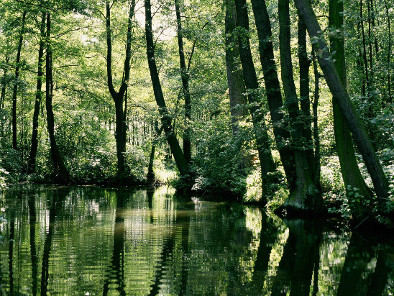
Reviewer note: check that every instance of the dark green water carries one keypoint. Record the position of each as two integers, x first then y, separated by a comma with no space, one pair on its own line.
93,241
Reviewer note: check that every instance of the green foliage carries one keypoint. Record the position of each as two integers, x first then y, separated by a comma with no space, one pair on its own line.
221,162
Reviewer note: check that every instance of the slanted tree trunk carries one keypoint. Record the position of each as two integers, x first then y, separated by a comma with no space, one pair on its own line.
272,86
306,197
60,169
176,150
119,97
235,80
256,107
31,168
16,82
185,86
350,171
339,91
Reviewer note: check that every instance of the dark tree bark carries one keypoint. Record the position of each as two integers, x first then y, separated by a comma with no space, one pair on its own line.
304,64
60,169
364,50
307,196
185,85
299,259
316,137
120,96
31,168
15,89
176,150
274,96
235,80
350,172
116,271
388,51
339,91
256,107
2,96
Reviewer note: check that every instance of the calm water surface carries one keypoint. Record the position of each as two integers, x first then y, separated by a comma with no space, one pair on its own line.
94,241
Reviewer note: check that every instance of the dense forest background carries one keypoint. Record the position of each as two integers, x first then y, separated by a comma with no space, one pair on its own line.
265,101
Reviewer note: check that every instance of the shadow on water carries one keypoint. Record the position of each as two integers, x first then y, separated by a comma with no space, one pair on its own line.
92,241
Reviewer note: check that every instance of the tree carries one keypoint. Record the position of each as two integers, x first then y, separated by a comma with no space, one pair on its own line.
60,169
350,172
267,164
306,197
185,84
339,91
120,96
274,96
16,82
40,74
236,85
176,151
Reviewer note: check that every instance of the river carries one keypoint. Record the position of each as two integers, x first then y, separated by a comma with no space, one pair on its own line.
96,241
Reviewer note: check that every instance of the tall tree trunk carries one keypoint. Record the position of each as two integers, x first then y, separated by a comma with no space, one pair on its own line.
60,169
185,86
274,96
256,107
339,91
364,51
15,89
316,137
235,80
120,96
304,64
34,137
350,172
307,196
2,96
176,150
389,69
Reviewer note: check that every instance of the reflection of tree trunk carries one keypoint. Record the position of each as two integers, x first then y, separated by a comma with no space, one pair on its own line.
185,224
33,250
159,272
117,262
359,254
11,254
57,199
268,236
299,258
384,267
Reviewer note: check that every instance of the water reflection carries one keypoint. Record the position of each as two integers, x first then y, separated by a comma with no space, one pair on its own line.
92,241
